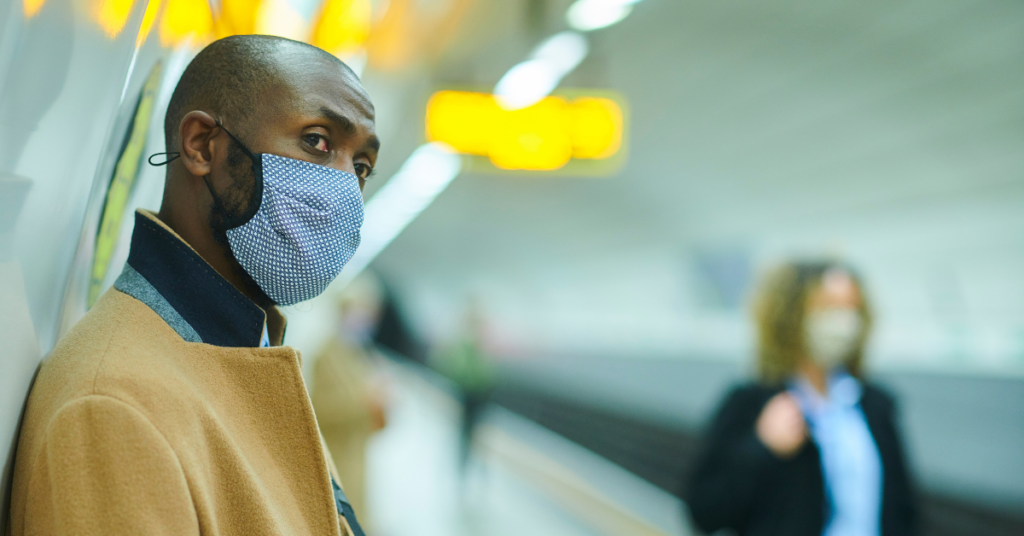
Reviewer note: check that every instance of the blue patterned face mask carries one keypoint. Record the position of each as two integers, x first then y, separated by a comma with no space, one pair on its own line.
303,230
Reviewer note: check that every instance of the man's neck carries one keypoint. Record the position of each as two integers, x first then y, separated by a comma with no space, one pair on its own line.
194,229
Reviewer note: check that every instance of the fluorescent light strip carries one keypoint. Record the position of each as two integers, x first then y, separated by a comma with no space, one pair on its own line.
589,15
528,82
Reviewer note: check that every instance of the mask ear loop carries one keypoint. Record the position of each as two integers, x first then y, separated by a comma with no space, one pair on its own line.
171,156
257,169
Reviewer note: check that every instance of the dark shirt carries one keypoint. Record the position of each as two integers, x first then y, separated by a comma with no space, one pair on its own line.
739,484
169,276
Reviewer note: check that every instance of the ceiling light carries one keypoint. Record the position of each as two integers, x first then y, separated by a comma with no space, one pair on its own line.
532,80
526,84
564,51
588,15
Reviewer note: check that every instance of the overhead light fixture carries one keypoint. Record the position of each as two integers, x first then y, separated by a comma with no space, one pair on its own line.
234,17
183,20
424,175
32,7
343,27
563,51
589,15
532,80
112,15
148,18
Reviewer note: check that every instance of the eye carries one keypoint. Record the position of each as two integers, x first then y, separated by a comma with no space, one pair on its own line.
364,171
316,141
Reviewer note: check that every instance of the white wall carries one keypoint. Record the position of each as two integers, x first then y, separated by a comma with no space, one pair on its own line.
68,92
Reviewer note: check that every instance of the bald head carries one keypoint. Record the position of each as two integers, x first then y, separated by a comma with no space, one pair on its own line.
229,77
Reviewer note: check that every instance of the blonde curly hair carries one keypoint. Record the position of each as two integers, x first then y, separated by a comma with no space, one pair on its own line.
779,310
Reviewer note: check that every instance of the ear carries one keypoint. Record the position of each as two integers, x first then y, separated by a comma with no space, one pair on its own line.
197,132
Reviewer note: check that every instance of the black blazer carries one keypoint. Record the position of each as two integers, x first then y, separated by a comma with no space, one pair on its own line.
739,484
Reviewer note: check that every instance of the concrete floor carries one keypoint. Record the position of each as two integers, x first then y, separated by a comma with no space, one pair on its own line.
414,487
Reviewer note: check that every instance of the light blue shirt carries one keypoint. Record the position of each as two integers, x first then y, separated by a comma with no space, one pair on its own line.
850,461
265,339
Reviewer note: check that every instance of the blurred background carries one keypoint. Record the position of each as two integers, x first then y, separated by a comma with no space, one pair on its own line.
573,204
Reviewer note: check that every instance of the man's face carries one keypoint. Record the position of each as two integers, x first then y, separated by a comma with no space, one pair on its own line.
318,113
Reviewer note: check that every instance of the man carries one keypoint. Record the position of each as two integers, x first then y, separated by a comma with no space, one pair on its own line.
171,408
466,364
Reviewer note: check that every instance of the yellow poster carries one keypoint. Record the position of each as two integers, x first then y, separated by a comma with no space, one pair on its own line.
126,172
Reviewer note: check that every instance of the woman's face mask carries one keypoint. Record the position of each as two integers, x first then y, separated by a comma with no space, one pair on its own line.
831,335
304,229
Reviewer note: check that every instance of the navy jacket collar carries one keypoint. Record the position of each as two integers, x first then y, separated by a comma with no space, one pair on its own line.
217,312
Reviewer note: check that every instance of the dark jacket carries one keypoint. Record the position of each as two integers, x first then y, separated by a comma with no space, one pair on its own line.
739,484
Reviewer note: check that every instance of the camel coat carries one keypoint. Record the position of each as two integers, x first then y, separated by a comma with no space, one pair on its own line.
341,394
133,429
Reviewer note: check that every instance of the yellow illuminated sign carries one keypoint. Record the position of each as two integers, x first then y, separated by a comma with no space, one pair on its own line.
536,138
595,128
545,136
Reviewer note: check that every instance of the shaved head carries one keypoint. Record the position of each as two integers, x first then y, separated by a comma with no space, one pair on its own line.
229,77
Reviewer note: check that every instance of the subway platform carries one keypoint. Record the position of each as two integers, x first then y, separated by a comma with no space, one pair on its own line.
520,479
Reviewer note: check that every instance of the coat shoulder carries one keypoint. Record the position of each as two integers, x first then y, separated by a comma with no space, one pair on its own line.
119,337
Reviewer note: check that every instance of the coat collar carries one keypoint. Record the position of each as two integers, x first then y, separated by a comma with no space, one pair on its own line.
169,276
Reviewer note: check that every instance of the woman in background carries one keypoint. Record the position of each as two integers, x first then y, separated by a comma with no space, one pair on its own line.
811,449
347,394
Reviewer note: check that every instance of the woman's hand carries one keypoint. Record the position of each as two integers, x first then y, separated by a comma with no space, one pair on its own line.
781,426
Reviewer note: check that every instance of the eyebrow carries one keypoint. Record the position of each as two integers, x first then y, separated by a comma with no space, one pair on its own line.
345,123
374,143
348,126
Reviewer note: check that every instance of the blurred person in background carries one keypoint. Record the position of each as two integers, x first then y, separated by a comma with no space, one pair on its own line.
466,364
811,448
348,397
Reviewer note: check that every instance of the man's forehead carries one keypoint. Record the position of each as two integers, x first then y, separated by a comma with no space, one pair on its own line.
315,81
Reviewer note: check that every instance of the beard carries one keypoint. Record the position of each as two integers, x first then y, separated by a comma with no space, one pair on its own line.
239,197
236,201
